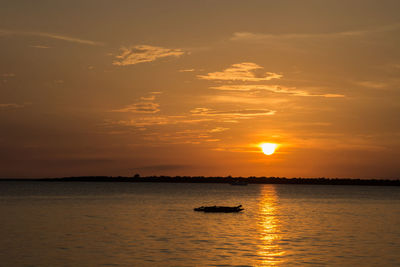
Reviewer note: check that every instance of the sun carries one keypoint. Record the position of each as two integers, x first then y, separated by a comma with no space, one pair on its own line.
268,148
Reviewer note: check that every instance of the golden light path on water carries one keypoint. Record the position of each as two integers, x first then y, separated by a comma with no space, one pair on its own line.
269,228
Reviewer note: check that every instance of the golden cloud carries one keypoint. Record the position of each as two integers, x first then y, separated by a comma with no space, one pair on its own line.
141,107
156,120
245,71
243,113
144,53
144,106
272,88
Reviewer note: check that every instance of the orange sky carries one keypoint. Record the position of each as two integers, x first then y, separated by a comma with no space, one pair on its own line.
191,87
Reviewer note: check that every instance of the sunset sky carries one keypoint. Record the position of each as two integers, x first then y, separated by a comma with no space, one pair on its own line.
193,87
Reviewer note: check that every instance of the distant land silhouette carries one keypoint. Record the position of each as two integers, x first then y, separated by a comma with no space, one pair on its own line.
221,180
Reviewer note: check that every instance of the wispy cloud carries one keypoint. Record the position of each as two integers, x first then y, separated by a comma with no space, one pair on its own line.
272,88
11,106
182,136
237,98
234,114
141,107
218,129
144,106
51,36
197,115
144,53
192,136
40,46
157,120
246,71
371,84
261,37
7,75
187,70
200,125
148,98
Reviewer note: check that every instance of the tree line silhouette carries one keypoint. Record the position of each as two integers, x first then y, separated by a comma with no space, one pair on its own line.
223,180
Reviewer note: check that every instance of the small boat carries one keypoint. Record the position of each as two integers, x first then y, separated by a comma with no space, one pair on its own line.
219,209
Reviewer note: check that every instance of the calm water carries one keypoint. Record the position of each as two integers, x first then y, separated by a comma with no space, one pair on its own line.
121,224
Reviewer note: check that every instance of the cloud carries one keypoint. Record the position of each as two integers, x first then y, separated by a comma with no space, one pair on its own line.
186,136
51,36
8,75
141,122
190,136
157,120
148,98
372,84
218,130
144,53
40,46
141,107
187,70
243,113
239,98
263,37
246,88
245,71
197,115
272,88
11,106
145,106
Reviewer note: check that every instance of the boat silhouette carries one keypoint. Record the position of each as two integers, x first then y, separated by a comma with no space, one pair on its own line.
225,209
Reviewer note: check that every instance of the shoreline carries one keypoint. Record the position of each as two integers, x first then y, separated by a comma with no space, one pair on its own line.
223,180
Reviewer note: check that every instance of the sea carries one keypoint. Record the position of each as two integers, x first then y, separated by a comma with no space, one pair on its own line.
154,224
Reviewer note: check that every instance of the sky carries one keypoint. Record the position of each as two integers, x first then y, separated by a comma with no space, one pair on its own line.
189,87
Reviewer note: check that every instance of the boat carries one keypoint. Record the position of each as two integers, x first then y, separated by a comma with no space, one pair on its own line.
225,209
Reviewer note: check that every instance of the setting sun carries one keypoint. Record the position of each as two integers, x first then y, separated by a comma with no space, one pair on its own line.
268,148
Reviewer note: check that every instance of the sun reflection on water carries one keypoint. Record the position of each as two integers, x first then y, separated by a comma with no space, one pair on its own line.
269,250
